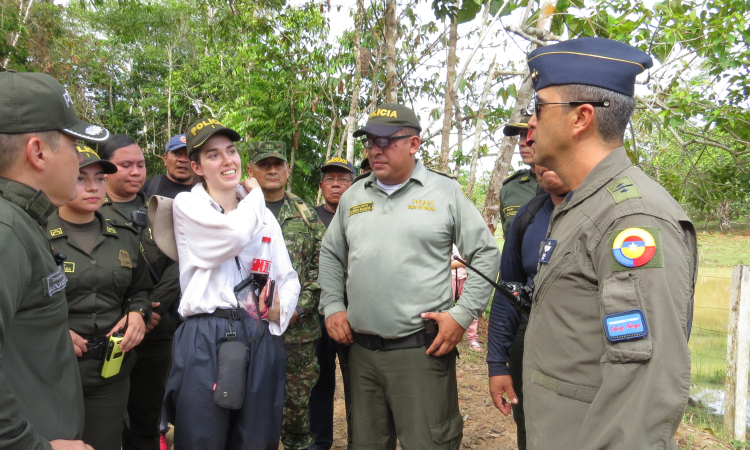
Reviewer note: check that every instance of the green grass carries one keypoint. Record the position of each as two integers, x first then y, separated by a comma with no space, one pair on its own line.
724,249
708,349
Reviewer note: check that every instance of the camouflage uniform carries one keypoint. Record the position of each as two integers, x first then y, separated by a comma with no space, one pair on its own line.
303,233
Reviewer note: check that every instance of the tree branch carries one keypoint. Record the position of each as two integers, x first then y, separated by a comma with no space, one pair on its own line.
528,37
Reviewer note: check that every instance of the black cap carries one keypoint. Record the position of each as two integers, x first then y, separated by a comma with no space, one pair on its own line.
387,119
591,61
91,157
514,129
337,163
200,131
34,102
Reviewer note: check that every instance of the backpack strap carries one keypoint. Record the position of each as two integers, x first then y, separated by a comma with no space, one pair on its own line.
303,210
527,217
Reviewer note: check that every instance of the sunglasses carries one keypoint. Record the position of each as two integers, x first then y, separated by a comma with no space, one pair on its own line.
382,142
536,104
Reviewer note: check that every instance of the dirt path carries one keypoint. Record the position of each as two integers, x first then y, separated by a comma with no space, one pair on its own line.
485,428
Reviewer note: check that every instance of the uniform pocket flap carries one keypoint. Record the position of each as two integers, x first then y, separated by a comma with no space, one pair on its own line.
122,277
616,356
448,430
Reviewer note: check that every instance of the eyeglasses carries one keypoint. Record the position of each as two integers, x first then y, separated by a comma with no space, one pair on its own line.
537,110
342,181
382,142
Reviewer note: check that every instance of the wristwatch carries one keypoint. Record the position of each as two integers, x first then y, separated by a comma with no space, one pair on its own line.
300,313
140,311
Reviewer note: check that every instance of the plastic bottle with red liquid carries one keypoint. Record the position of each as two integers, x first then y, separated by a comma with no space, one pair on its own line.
261,266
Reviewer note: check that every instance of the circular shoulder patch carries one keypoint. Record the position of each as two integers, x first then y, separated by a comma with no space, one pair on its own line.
634,247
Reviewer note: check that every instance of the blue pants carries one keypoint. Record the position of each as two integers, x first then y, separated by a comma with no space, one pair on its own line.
189,401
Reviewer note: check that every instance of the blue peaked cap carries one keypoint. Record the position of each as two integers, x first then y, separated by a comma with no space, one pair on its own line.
591,61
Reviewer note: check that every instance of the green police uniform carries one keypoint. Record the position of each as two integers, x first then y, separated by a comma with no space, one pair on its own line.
391,255
40,387
34,337
518,189
148,378
103,285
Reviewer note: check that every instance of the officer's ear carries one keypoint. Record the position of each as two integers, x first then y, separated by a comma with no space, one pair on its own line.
249,169
414,143
34,151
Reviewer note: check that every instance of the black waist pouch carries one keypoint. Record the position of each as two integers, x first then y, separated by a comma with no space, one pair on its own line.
229,391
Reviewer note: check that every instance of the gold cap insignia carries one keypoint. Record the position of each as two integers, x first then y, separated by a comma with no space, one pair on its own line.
535,75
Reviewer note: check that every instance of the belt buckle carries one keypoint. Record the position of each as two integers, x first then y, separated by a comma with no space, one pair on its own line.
377,343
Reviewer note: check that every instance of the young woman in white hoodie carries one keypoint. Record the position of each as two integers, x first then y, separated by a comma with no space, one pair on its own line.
219,227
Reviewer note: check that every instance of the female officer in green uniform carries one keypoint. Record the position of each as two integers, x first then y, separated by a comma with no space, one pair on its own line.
107,281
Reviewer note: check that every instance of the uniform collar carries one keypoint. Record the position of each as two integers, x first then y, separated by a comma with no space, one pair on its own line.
419,174
116,207
601,175
287,211
56,231
34,202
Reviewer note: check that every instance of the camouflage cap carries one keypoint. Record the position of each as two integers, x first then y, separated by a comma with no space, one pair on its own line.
34,102
267,149
514,129
91,157
200,131
387,119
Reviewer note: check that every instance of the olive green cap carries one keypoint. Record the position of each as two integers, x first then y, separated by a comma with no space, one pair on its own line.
267,149
514,129
387,119
34,102
200,131
91,157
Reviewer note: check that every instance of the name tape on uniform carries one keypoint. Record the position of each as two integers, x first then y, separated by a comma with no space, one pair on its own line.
362,207
425,205
55,282
625,326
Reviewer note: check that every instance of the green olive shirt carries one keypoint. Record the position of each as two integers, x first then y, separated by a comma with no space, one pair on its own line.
518,189
391,254
40,388
619,247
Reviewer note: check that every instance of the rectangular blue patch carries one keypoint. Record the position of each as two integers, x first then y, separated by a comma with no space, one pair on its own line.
548,246
625,326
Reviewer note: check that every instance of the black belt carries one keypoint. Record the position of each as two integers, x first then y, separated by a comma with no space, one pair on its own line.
232,314
373,342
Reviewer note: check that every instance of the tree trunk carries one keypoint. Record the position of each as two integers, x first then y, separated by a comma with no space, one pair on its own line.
722,214
169,96
375,72
502,164
449,80
391,94
352,122
460,143
23,13
478,130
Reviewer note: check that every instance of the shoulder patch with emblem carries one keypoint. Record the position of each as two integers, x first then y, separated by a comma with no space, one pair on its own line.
623,189
636,248
56,232
362,207
125,259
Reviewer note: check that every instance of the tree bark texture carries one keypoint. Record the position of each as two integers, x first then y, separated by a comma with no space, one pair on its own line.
508,145
478,128
352,121
391,93
449,89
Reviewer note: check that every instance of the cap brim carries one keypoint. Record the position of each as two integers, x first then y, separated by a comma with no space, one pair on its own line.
337,166
87,132
231,134
377,129
162,224
514,129
107,167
